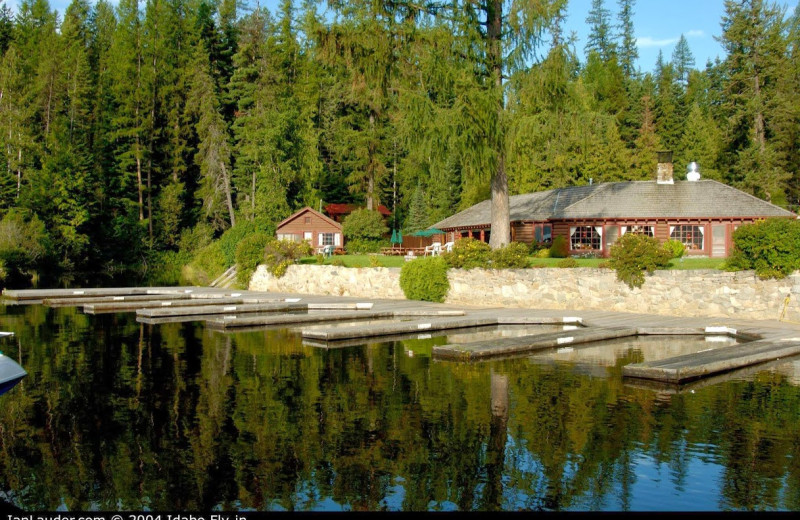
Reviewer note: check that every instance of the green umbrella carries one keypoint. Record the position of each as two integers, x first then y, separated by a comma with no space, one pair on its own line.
394,236
428,232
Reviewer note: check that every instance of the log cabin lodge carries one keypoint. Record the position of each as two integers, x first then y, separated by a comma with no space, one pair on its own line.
700,213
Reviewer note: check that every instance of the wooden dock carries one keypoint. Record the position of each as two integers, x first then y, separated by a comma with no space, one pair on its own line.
689,367
232,322
526,344
230,310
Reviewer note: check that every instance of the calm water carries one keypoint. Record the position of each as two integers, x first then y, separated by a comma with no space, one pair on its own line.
120,415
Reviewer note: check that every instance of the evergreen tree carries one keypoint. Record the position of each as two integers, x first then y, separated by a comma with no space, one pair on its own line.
647,144
600,39
628,50
682,60
417,212
753,37
213,154
700,143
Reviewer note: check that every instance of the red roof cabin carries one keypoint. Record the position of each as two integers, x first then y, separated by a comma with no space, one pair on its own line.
313,227
339,211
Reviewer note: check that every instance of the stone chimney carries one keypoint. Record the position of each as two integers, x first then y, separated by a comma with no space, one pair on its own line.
664,168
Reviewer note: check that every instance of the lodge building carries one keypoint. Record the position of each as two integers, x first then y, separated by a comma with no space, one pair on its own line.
700,213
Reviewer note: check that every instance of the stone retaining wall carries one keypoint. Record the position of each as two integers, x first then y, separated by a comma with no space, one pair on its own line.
699,292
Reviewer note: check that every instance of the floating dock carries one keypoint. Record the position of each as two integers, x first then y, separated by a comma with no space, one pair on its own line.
233,307
526,344
232,322
681,369
230,310
98,308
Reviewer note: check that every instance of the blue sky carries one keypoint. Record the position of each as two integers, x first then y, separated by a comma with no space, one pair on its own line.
658,25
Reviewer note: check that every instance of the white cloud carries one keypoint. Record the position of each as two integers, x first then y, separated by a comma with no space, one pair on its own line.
646,41
695,32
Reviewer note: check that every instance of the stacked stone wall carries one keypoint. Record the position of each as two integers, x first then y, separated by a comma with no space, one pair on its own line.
699,292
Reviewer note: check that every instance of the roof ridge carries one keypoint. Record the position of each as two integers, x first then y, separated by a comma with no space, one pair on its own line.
601,187
747,194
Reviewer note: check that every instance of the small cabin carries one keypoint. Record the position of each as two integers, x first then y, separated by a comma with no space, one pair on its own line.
313,227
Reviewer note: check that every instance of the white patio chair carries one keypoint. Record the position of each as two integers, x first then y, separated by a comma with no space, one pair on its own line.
434,249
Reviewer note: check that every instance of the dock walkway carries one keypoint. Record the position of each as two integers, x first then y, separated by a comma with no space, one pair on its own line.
763,341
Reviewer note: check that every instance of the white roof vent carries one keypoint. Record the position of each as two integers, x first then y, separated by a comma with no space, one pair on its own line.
693,173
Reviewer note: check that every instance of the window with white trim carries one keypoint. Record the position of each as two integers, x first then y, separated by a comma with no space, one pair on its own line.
585,238
691,236
290,237
639,230
327,239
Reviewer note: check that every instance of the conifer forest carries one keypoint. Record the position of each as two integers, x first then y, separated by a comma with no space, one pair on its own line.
134,133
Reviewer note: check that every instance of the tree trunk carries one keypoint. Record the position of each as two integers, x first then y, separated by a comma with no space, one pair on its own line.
139,180
501,227
228,197
19,171
370,166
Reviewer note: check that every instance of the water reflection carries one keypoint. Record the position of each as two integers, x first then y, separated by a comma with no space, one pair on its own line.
121,415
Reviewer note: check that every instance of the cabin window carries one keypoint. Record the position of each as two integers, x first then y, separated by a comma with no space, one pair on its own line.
690,236
542,233
307,220
290,237
327,239
639,230
585,238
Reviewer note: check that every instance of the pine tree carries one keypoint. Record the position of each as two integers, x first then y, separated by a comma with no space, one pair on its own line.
213,155
682,60
753,37
600,39
700,143
417,212
129,112
647,144
628,50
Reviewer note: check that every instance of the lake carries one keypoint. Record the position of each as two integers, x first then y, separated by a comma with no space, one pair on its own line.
118,415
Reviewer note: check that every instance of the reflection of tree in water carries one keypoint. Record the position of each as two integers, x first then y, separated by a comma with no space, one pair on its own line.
123,415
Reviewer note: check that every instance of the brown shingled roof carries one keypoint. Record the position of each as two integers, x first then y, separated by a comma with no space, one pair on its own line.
636,199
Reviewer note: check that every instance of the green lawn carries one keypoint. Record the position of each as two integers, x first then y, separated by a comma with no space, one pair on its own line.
358,260
398,261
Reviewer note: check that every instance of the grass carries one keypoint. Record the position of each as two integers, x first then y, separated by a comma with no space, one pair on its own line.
398,261
358,260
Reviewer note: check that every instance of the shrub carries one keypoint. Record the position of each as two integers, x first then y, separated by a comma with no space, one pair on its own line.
249,253
207,264
195,238
567,263
512,256
425,279
244,228
166,268
771,247
24,245
365,245
560,247
633,255
338,262
468,253
320,259
374,261
542,253
364,224
280,254
675,247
